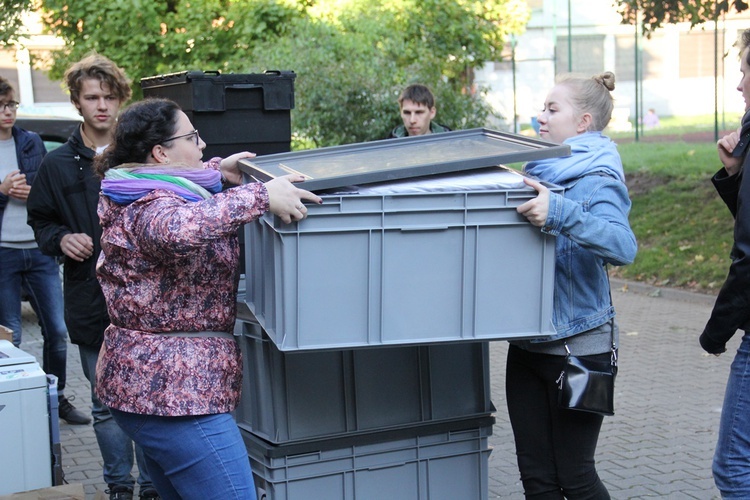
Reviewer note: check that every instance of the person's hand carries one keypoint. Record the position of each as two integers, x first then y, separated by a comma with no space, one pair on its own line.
77,246
710,346
285,199
231,170
14,185
536,210
725,146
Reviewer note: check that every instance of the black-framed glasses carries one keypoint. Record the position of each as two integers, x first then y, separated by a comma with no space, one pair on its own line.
12,105
193,133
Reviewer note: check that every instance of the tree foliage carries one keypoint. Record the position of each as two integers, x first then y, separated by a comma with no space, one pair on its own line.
654,14
11,22
351,57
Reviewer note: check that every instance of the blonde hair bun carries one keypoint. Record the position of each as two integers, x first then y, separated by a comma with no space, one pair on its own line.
607,79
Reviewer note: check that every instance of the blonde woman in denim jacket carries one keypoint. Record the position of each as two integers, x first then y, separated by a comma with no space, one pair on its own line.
555,447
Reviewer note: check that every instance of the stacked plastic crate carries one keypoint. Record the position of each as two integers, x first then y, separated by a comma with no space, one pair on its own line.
365,330
406,422
365,327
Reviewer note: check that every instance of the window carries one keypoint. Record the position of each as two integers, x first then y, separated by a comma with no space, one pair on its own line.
535,4
587,54
8,68
45,90
698,54
651,63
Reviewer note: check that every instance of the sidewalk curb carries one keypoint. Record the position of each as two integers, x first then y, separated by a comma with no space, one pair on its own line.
667,293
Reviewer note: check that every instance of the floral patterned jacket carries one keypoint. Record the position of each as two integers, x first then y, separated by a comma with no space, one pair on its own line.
169,265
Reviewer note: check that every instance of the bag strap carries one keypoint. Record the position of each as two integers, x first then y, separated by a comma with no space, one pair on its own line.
612,320
613,347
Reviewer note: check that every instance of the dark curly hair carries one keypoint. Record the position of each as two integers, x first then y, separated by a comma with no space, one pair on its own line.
140,127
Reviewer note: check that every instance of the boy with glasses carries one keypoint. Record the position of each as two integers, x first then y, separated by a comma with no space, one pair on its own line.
22,266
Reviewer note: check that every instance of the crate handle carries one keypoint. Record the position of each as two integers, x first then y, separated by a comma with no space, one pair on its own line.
521,198
242,86
424,228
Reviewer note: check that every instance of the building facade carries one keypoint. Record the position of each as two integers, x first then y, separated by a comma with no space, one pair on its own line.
677,71
37,94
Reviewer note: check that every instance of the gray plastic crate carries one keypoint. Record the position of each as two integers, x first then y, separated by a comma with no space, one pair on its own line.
378,270
298,396
446,465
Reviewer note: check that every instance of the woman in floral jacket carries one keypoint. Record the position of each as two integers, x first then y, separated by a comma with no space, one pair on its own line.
169,369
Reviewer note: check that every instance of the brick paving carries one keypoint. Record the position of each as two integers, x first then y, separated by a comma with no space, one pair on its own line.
658,445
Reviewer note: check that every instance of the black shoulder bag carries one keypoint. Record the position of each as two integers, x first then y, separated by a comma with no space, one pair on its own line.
589,385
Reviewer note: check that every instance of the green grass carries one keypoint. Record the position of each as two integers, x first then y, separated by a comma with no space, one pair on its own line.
684,230
685,125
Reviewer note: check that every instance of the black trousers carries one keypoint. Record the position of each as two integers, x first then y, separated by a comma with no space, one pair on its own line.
555,447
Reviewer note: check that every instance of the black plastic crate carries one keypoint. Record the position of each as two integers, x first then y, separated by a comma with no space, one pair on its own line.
232,112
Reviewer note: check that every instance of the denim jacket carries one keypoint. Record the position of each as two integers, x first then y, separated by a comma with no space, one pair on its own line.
592,229
590,221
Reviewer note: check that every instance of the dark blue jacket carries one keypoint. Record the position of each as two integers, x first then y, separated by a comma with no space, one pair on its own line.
29,153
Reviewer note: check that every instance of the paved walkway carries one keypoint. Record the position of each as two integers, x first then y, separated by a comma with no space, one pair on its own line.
658,445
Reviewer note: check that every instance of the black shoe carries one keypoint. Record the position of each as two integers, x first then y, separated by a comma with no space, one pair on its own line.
148,493
120,492
70,414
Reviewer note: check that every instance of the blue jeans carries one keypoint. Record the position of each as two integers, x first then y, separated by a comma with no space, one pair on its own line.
115,446
731,467
39,276
192,457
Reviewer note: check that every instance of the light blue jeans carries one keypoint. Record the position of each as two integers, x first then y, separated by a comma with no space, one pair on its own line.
115,446
192,457
731,466
39,275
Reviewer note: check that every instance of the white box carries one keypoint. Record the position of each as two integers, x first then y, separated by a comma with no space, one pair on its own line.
26,457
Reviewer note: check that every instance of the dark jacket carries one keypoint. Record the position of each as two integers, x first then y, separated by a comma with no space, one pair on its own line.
401,131
29,153
63,200
732,308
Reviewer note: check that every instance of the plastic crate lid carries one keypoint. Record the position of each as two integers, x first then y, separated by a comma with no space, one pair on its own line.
401,158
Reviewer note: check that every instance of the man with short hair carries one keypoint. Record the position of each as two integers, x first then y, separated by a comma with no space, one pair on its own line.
417,105
62,211
22,266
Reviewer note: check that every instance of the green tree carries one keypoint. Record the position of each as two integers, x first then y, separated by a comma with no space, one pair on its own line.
654,13
351,57
150,38
11,22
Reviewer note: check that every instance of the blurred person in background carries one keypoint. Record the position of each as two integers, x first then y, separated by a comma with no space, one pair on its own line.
417,106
